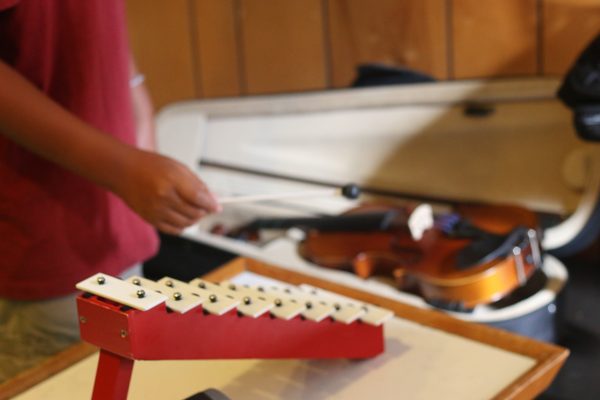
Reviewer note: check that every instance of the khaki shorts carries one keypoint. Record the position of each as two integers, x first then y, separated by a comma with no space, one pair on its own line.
31,331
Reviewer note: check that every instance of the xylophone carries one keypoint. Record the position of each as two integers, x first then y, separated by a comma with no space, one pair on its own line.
141,319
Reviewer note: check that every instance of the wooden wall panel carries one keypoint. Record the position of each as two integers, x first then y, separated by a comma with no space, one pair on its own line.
394,32
568,26
216,45
282,45
161,42
494,38
215,48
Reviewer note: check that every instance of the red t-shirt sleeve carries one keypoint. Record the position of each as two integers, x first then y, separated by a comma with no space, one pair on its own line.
4,4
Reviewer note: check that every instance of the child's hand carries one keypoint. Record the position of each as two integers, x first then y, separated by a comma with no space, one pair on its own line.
164,192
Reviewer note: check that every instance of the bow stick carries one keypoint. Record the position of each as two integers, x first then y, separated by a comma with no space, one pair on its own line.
350,191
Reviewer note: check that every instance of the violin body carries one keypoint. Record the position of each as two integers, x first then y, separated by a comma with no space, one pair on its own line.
496,253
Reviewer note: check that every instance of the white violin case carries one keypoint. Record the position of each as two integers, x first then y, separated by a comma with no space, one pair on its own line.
502,141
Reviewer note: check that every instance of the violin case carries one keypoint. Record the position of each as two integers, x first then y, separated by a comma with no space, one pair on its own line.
506,141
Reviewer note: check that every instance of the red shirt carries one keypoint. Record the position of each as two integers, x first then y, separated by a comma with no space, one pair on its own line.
55,227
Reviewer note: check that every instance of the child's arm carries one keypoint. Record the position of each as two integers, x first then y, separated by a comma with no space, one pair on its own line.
163,191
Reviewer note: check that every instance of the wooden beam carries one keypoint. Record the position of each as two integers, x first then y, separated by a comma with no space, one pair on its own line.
282,45
568,26
160,38
494,38
218,67
402,33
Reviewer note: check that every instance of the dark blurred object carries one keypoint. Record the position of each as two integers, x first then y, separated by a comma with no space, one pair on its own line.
580,91
381,75
579,331
209,394
183,259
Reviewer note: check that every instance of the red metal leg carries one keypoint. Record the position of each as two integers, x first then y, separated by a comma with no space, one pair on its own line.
112,377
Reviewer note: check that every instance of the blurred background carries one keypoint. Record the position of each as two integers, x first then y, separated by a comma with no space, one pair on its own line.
227,48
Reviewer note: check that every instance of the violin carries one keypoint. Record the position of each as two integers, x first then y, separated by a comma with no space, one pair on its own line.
475,255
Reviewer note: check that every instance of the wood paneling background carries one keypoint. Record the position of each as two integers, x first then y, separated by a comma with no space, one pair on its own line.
221,48
494,38
568,26
215,35
162,44
403,33
282,45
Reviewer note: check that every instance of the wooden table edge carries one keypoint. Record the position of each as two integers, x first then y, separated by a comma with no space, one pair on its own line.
549,357
46,369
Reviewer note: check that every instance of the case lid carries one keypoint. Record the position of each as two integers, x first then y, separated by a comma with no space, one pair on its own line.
506,140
